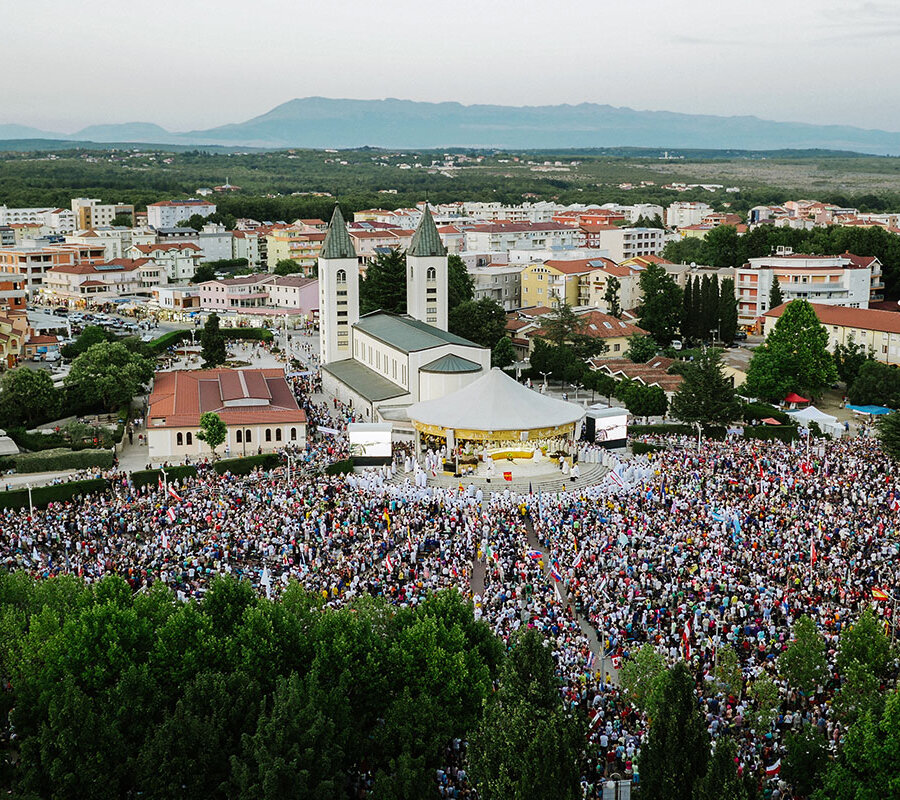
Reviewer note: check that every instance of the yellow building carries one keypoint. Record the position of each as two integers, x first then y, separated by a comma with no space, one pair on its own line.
878,331
554,283
301,245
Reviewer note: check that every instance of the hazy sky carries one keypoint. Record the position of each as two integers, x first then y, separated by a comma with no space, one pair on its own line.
195,63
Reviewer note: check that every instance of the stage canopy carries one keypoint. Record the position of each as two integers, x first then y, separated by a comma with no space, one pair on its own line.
496,407
793,397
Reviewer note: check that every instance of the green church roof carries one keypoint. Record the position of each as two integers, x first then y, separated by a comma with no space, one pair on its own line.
426,241
338,243
451,363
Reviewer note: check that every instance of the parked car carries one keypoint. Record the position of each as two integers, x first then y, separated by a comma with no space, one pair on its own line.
52,356
676,344
740,336
61,312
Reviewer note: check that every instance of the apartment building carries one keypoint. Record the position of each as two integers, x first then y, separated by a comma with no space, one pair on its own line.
505,236
501,283
32,263
827,280
878,331
298,244
246,244
168,213
555,282
235,294
116,242
178,260
80,285
294,293
624,243
680,214
91,213
593,286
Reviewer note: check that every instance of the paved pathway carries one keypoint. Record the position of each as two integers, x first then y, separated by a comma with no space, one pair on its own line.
603,666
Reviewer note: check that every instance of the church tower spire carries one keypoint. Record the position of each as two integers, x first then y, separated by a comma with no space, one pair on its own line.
338,291
427,274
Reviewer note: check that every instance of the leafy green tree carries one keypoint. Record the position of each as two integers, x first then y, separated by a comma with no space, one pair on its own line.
728,311
92,334
212,343
722,247
642,678
481,321
676,752
706,393
527,746
803,665
460,284
688,317
212,430
503,354
688,250
108,374
764,694
865,643
721,781
849,360
646,401
123,220
793,358
599,382
384,286
805,760
27,396
287,266
660,311
611,297
641,348
888,431
203,273
728,671
866,767
876,384
775,296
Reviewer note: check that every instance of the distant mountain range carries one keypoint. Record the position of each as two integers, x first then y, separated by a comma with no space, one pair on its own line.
319,122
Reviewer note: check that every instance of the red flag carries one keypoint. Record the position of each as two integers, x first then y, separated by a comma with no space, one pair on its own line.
880,594
170,513
175,494
507,476
812,552
159,481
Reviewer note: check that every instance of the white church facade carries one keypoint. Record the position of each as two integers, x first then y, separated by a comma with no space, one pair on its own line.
381,363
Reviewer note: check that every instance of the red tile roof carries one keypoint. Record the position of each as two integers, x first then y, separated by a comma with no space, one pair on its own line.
239,397
862,318
150,248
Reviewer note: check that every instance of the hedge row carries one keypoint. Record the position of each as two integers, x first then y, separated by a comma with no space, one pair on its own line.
172,338
42,496
162,343
143,477
340,467
758,411
58,460
639,448
244,466
250,334
787,433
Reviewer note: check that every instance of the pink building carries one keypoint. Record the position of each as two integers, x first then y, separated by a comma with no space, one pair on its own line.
294,293
235,294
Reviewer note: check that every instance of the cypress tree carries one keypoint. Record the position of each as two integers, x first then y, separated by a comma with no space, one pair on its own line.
687,310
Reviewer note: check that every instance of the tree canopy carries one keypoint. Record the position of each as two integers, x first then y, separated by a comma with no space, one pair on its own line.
27,396
110,373
660,311
213,350
287,266
481,321
706,393
384,285
793,358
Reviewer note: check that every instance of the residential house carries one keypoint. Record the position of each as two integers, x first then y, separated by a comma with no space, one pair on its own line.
294,293
178,260
235,294
168,213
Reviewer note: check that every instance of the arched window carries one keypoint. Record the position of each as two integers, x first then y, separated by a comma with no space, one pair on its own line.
293,434
431,275
341,276
189,438
277,434
179,439
237,437
268,434
247,436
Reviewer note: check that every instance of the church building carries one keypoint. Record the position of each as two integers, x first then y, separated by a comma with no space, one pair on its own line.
382,363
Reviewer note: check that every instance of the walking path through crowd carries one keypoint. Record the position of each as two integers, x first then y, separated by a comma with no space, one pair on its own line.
721,545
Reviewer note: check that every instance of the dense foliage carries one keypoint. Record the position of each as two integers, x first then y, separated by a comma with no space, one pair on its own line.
114,694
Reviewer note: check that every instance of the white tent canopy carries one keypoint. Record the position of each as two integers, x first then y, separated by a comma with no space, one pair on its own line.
495,402
826,422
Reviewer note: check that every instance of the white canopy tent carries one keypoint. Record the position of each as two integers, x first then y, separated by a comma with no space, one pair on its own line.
496,406
826,422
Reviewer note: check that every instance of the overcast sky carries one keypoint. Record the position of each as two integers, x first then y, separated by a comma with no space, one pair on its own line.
188,64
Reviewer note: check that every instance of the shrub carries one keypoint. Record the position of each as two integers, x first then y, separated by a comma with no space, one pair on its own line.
639,448
757,411
340,467
244,466
787,434
143,477
57,493
162,343
249,334
62,459
649,430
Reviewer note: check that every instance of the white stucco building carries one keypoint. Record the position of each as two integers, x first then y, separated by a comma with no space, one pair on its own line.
168,213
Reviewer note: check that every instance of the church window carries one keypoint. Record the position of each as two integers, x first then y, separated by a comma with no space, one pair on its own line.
340,276
431,275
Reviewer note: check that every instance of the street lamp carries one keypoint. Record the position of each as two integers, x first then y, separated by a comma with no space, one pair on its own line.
545,374
30,504
699,433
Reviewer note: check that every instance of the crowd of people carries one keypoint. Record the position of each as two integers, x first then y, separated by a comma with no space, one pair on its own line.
691,549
